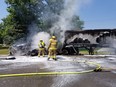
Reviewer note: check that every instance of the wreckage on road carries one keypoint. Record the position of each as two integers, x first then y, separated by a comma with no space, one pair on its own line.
74,41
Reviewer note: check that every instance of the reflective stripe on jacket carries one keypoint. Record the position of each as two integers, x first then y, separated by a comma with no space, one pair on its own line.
41,45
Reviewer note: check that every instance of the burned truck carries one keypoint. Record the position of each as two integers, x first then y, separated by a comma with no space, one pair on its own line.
87,39
22,49
19,49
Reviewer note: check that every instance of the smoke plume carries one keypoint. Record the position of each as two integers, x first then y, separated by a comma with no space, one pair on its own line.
71,8
40,36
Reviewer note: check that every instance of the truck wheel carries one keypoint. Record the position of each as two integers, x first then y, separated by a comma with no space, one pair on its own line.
65,52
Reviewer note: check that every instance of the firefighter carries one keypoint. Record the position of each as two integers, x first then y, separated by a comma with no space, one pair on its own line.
41,48
52,48
91,50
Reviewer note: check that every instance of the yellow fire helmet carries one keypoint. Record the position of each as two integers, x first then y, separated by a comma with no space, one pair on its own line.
53,37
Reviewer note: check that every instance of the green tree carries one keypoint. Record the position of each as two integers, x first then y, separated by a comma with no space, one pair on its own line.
21,14
55,5
1,31
76,23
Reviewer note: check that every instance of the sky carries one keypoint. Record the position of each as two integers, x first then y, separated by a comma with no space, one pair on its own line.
98,14
3,11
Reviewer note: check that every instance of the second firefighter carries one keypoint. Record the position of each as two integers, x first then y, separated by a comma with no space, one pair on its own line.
52,48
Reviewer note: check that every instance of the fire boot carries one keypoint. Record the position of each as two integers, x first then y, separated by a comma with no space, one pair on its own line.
98,70
48,58
55,59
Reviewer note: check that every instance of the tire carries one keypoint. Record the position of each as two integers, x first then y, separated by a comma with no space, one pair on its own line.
65,52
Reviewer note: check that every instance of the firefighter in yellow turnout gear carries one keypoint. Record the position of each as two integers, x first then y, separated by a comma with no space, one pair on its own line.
52,48
41,48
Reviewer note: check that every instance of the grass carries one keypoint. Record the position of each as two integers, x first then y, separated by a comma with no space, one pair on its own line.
4,50
84,51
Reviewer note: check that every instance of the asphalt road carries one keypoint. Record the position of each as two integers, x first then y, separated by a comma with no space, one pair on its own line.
23,64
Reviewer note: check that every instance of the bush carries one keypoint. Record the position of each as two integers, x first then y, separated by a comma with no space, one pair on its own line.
0,45
3,47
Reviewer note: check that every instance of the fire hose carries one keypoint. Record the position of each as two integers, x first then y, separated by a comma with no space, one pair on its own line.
98,68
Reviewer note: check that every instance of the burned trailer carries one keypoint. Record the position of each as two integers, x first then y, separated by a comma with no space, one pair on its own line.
87,39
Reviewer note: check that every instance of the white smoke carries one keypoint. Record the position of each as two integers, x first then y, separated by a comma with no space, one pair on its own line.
35,36
71,8
111,46
40,36
33,29
91,38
